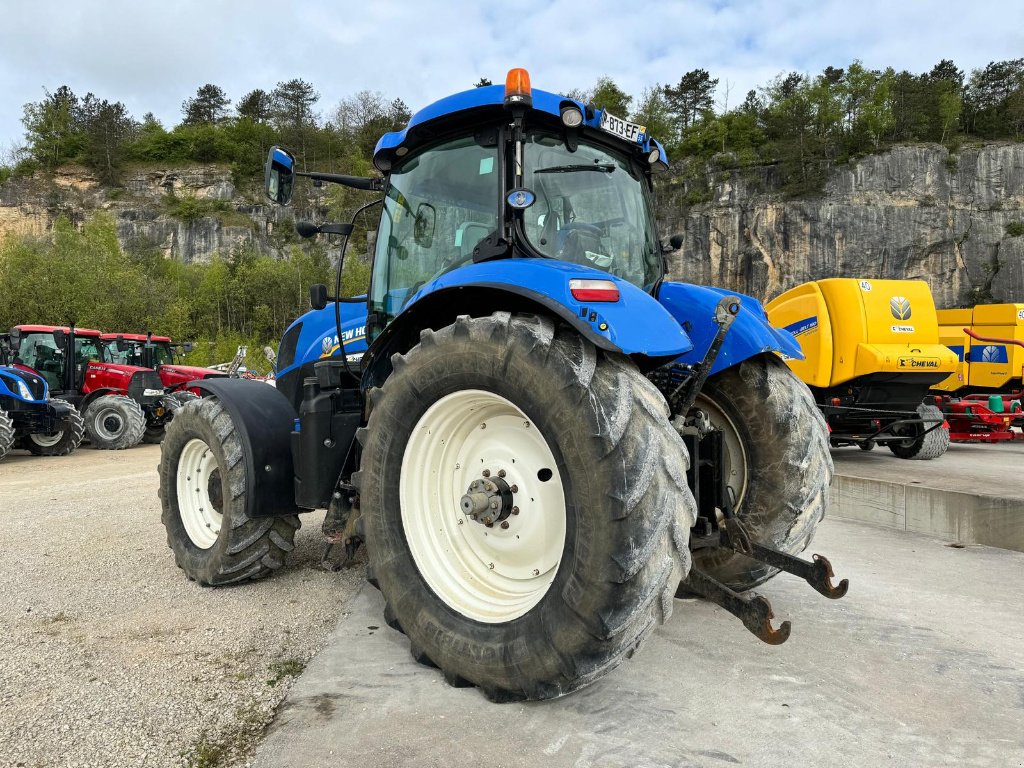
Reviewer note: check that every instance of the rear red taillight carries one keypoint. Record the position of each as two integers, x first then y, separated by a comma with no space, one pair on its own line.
594,290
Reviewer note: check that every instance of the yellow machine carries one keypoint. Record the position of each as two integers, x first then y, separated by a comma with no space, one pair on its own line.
872,351
991,361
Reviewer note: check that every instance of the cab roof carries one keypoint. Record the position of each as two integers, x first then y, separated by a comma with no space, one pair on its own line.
52,328
489,99
132,337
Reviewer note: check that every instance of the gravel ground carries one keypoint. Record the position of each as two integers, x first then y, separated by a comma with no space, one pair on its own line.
110,656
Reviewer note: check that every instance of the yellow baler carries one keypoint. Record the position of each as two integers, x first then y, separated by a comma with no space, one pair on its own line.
872,352
993,360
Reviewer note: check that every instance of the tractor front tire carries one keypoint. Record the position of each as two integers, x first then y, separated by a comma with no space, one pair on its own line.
542,586
114,422
6,434
928,446
203,491
62,442
779,465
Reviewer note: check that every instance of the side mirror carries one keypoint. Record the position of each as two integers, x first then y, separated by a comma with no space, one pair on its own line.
279,175
121,344
187,347
15,337
318,296
60,338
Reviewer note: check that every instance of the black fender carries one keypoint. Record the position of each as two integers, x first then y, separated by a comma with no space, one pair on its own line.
264,420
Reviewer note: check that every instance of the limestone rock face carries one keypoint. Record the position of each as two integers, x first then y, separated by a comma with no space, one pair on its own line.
913,212
142,209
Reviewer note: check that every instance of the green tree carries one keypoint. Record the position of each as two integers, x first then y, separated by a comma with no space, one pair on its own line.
652,113
256,106
693,95
107,128
52,128
483,82
209,106
292,109
608,96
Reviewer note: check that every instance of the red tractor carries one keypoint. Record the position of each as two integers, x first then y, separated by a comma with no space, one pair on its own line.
158,352
122,405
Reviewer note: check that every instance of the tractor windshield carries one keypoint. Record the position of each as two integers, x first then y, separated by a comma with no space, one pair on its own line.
439,205
593,208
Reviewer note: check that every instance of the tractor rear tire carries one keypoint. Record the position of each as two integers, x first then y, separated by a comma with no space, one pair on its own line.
62,442
154,435
114,422
6,434
930,445
203,490
786,466
585,565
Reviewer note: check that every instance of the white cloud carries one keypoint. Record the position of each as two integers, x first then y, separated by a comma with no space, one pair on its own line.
153,56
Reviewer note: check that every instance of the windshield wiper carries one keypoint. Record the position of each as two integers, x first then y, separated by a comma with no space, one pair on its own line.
603,167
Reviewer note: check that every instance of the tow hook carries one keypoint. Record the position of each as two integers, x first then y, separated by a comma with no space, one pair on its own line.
755,611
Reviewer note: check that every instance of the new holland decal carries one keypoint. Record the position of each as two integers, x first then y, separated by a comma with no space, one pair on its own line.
900,307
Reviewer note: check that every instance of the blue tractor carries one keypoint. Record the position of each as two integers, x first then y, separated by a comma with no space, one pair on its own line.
537,437
29,417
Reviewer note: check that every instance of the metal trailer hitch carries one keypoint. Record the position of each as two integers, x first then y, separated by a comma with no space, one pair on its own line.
755,611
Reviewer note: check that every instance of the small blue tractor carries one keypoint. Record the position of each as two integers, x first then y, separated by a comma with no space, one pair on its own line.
538,439
29,417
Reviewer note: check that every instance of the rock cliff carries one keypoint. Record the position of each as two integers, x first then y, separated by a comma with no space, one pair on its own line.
187,213
912,212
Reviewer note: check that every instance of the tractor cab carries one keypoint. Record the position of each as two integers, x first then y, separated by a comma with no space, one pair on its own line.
49,351
505,173
158,353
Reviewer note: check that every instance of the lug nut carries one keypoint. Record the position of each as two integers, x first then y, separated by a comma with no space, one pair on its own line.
494,504
515,510
487,473
504,524
514,489
536,572
501,473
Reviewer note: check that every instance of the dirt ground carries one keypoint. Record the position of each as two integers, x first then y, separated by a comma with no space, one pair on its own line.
110,656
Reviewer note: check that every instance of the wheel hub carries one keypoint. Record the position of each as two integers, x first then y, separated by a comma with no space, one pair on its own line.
489,500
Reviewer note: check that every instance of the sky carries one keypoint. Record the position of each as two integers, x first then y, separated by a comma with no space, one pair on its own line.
152,55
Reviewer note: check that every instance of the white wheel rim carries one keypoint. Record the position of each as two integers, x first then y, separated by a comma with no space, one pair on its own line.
735,469
201,519
44,440
489,574
99,424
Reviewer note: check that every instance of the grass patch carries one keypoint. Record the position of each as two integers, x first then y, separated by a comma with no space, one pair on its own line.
279,670
1015,228
217,751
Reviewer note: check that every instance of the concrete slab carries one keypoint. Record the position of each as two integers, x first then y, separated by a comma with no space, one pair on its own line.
920,665
974,494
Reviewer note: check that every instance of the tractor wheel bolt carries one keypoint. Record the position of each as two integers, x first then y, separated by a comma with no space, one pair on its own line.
486,473
514,489
504,524
515,510
501,473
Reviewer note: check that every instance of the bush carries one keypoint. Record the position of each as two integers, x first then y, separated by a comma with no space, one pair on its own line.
1015,229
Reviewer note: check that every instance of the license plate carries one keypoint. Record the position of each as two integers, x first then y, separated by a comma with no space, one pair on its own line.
623,128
